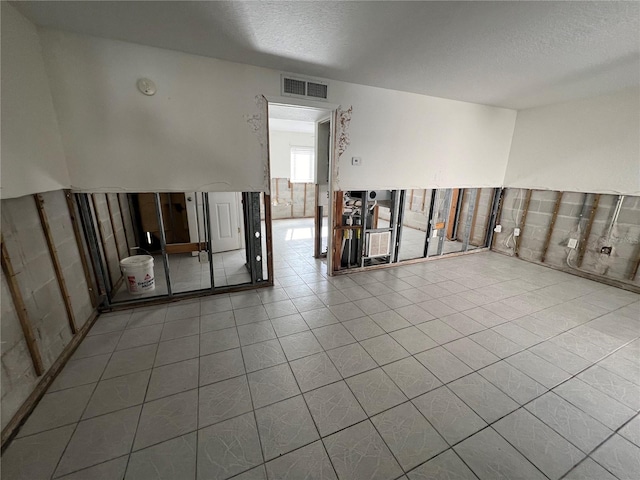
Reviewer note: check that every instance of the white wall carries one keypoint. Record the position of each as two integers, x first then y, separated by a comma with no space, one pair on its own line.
280,144
192,135
32,154
590,145
415,141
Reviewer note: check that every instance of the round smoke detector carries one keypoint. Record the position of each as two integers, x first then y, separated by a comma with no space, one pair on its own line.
146,86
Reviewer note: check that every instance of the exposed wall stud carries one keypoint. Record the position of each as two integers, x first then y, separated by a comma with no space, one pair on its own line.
124,224
587,232
523,221
113,226
432,203
80,243
102,243
472,212
21,310
269,240
163,242
547,239
496,216
53,253
475,216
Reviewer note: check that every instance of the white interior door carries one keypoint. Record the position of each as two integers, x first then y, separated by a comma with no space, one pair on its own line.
225,224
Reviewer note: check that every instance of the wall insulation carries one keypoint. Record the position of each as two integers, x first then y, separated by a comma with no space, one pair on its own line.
572,223
34,277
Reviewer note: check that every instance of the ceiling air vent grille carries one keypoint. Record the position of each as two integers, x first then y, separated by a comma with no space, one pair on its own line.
317,90
304,88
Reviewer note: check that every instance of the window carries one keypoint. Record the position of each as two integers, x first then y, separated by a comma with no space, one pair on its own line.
302,164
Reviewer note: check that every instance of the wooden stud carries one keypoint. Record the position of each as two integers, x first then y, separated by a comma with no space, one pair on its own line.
411,200
113,225
338,232
317,224
487,222
291,191
498,216
124,225
269,240
304,205
80,243
475,218
523,221
583,243
101,237
547,239
21,310
634,270
57,267
453,213
41,388
424,199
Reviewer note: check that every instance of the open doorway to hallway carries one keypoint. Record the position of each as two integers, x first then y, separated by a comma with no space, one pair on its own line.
299,151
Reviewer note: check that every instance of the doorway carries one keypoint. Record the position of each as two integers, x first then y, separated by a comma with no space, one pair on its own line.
299,152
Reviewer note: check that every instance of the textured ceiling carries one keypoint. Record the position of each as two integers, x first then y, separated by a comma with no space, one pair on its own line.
510,54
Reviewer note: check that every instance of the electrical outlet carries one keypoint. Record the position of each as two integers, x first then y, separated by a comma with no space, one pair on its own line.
498,229
203,257
573,243
606,250
356,161
516,232
434,234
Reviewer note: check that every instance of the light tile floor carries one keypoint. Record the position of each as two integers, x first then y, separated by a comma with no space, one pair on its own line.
480,366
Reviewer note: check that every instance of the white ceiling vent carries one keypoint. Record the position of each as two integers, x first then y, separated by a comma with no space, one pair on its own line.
292,86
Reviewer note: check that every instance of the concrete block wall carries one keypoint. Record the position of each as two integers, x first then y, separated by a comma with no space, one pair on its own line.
57,210
416,209
127,219
17,378
118,225
292,200
109,248
29,254
571,222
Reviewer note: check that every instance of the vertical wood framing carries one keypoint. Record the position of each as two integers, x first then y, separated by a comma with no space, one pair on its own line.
554,216
411,200
487,222
317,223
475,216
80,243
432,203
269,234
498,202
472,213
523,221
53,253
453,227
337,231
21,310
304,203
89,228
424,199
102,243
163,243
124,225
113,226
585,238
634,269
448,195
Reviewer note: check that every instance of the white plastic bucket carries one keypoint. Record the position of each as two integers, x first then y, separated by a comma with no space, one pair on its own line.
138,273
